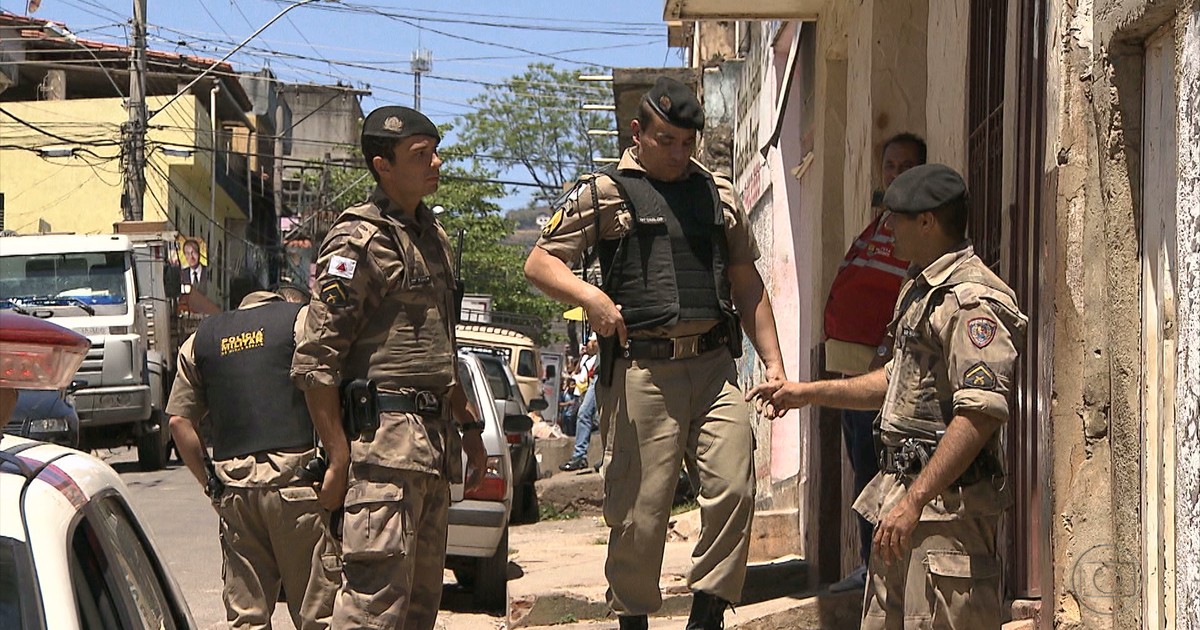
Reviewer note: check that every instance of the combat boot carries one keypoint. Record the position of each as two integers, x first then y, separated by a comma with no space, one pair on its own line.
708,612
634,622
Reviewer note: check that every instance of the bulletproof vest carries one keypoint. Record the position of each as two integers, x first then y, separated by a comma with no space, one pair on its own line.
244,358
671,266
408,340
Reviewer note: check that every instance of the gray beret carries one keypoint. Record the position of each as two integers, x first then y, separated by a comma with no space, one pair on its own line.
675,102
397,122
924,188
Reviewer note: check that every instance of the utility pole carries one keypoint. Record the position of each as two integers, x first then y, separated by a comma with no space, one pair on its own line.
133,132
422,62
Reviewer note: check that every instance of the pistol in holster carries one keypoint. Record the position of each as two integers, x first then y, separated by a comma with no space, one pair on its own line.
609,348
734,322
360,408
213,486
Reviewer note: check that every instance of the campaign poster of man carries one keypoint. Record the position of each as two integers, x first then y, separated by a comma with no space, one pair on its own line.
193,264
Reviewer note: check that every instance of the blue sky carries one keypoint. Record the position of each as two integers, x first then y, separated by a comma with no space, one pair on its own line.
368,43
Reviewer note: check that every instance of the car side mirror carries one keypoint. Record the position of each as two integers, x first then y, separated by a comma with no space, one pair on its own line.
538,404
517,423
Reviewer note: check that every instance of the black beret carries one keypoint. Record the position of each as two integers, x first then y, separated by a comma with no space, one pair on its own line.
924,188
675,102
396,122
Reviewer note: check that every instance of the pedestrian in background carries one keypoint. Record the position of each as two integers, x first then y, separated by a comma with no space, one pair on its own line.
857,312
585,417
677,259
386,313
274,534
945,394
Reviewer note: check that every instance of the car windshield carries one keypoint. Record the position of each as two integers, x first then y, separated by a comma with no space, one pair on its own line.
91,283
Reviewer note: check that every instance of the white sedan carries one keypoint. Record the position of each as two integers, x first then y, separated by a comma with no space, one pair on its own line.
72,554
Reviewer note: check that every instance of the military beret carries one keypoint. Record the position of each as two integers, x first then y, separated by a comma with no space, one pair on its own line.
924,188
675,102
398,122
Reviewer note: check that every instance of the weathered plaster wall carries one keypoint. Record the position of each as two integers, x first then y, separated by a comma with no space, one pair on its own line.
1187,395
945,107
1096,420
1080,449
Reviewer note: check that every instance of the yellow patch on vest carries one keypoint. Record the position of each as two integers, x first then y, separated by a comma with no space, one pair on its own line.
242,341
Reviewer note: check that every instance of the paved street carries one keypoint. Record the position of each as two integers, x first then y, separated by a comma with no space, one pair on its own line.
184,528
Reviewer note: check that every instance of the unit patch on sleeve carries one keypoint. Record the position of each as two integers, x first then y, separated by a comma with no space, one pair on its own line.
554,223
982,331
342,267
333,293
979,376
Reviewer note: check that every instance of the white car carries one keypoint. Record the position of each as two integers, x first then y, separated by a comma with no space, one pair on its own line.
72,554
477,540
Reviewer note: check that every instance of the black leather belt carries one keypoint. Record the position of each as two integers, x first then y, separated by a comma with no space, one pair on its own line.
421,402
677,347
912,456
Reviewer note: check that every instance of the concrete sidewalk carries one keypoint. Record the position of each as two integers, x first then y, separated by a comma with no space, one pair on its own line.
556,573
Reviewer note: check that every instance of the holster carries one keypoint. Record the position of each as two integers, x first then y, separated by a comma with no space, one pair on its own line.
734,322
360,408
605,362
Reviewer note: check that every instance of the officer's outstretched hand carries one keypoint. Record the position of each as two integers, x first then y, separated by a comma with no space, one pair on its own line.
332,493
472,442
776,397
605,317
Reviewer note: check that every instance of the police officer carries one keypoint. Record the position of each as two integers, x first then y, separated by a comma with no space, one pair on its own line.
937,499
677,258
234,369
385,311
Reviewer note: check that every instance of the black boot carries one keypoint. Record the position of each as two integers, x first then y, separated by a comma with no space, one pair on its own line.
634,622
708,612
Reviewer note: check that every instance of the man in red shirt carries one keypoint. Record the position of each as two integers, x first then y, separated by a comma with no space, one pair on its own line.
857,312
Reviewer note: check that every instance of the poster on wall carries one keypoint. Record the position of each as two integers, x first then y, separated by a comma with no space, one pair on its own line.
193,264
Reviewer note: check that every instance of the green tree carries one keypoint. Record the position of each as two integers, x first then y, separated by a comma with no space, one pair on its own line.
535,122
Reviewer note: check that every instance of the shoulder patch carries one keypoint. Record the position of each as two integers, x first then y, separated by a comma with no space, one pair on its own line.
979,376
342,267
981,330
554,223
333,293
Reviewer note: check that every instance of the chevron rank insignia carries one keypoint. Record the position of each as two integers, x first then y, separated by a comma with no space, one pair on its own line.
333,293
979,376
982,331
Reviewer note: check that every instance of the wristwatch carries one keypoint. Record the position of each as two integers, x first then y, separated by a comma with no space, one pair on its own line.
470,426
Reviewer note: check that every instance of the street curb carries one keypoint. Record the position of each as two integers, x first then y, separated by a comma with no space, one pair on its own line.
560,607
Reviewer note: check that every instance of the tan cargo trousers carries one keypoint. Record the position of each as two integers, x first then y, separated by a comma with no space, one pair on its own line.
393,549
655,415
950,580
272,537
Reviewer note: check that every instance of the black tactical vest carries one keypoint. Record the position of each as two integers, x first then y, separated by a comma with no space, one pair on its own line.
244,357
671,266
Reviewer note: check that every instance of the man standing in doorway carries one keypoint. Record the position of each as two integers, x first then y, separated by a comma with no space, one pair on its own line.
860,304
385,313
677,257
945,394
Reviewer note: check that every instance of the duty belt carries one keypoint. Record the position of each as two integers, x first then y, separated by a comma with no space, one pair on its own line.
912,455
421,402
677,347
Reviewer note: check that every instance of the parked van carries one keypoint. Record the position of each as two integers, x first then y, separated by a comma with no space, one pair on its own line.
518,351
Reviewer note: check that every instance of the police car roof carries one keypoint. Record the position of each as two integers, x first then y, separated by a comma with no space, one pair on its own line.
494,330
